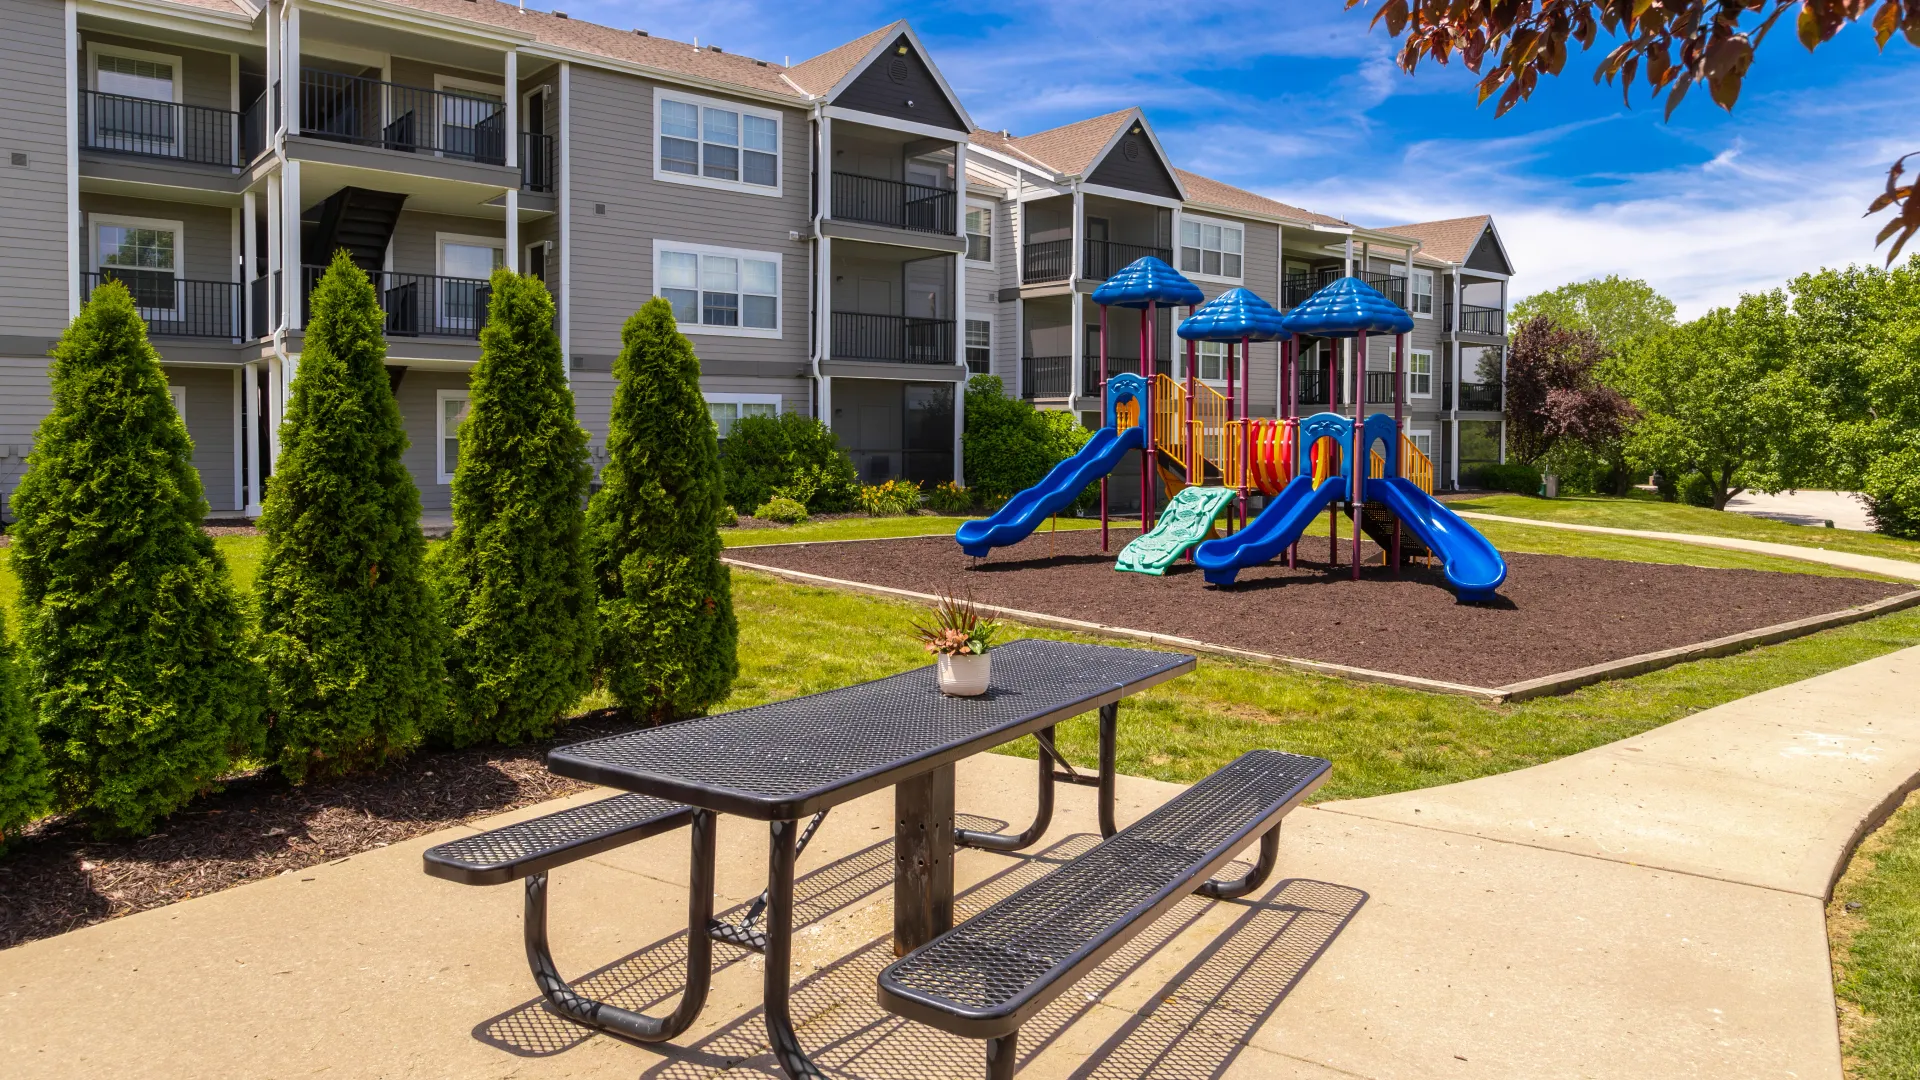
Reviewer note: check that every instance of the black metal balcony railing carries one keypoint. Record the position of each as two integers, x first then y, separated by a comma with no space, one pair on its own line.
1046,260
536,161
349,108
166,129
1105,258
1046,376
1310,387
1390,286
895,339
1479,397
263,307
1299,286
177,307
877,201
418,304
1116,365
1477,320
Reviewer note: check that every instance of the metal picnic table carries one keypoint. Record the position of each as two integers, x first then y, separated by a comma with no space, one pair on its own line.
787,760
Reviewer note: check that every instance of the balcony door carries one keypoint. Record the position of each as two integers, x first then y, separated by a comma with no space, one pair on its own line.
466,262
137,102
472,119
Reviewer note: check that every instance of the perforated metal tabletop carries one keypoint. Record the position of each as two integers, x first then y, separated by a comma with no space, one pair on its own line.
788,759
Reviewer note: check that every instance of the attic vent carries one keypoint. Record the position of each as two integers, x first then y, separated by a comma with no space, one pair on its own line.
715,48
897,69
1130,149
640,32
559,14
762,63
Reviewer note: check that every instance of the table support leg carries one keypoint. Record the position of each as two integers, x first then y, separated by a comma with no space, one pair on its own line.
1109,738
1256,877
782,856
1042,817
569,1003
922,859
1002,1053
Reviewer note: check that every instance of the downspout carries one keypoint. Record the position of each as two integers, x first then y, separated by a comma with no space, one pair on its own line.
821,182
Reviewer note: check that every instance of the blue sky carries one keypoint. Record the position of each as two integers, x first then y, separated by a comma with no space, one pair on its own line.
1299,100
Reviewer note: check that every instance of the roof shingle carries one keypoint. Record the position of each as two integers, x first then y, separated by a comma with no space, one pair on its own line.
1450,239
824,72
1207,190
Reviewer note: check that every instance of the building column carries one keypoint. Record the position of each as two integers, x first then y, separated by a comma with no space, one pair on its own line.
292,292
250,438
511,84
565,207
513,230
72,70
290,69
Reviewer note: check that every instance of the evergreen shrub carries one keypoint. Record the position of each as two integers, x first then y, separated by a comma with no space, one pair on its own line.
513,578
667,632
1511,476
350,632
781,509
137,657
1008,444
23,766
765,455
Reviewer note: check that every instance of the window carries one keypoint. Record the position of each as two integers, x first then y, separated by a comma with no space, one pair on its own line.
451,413
979,234
145,256
1420,296
1422,441
703,139
466,262
1210,248
720,290
979,346
179,400
141,116
1419,373
465,109
727,408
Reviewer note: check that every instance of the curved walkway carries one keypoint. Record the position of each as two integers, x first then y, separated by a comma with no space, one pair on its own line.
1872,564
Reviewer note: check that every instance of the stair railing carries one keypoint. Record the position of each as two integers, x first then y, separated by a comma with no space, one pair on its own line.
1414,465
1210,410
1170,417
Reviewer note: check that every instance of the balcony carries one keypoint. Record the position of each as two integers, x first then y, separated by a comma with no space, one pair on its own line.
1491,322
1480,397
418,304
1312,389
1300,286
175,132
1116,365
1046,376
177,307
1052,260
892,339
914,207
368,112
536,161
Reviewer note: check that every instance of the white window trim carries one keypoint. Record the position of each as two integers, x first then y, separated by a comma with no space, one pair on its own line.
779,280
442,239
1428,432
661,93
1408,374
975,204
179,230
454,82
440,399
1226,223
983,317
97,49
745,399
1433,285
179,395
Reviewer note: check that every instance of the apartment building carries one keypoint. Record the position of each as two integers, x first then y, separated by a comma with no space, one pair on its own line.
836,236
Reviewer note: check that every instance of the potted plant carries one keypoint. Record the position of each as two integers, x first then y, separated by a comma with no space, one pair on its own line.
959,639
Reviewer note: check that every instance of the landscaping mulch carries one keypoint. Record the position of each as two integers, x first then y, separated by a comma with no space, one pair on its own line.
1554,613
57,878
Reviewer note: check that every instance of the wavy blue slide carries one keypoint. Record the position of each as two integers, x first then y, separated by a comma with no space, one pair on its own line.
1287,515
1473,565
1024,512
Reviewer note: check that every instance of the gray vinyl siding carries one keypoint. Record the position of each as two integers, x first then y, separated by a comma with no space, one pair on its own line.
418,399
592,405
796,395
210,423
206,77
206,232
26,396
416,238
612,157
983,297
410,72
33,199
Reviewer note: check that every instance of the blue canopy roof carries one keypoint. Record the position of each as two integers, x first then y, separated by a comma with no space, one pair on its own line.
1344,308
1144,281
1231,316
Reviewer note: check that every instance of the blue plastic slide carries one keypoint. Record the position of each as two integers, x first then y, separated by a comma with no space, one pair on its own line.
1474,567
1287,515
1024,512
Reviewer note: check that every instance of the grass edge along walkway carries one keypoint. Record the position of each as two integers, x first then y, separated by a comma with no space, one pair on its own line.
1873,930
797,639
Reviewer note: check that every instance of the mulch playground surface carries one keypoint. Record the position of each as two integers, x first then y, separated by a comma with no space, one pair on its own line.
1554,613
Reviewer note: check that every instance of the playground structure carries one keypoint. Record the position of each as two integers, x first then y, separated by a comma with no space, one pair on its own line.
1211,455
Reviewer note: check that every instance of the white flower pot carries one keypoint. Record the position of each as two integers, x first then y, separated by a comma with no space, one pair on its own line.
964,675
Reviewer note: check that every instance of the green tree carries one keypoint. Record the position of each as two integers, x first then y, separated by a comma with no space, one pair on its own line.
23,766
1719,398
667,632
513,578
135,639
762,453
1619,311
351,634
1008,445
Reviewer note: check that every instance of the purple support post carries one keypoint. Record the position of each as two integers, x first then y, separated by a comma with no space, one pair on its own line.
1399,467
1359,462
1246,423
1333,406
1290,424
1103,411
1192,453
1147,451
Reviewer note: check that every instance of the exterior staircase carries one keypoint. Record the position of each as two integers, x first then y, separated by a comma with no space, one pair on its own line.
360,220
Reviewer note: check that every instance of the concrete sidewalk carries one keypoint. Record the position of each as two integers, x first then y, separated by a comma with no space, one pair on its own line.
1650,908
1872,564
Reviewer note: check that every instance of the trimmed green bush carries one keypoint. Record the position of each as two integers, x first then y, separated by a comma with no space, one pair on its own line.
135,639
1695,489
767,455
948,497
24,790
1009,445
1512,476
667,632
1892,488
351,634
782,509
513,578
890,499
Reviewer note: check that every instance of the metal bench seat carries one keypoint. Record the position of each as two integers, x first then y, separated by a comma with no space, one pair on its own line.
537,845
989,975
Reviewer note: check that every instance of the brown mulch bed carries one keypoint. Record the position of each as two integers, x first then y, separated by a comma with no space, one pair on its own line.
57,878
1554,613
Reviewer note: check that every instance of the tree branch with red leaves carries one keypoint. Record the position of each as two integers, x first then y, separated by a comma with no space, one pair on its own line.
1669,45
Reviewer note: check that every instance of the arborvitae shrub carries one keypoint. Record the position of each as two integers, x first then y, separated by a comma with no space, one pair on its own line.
23,768
667,632
513,579
137,657
351,635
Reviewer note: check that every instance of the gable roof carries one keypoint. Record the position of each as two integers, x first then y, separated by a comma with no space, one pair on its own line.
824,72
1450,240
1202,189
1071,148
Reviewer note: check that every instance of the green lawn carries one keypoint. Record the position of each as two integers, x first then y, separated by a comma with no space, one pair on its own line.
1647,512
1873,925
1540,540
880,528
